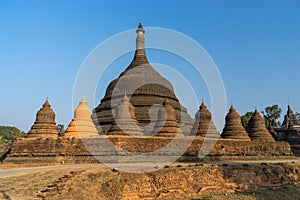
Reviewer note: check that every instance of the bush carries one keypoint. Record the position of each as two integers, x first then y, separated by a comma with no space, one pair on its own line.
206,197
8,133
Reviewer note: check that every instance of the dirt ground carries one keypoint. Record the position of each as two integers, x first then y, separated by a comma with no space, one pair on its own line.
77,183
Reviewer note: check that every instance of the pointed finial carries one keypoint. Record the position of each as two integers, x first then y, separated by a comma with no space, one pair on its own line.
140,24
289,108
140,28
202,106
46,104
231,108
83,99
140,41
202,102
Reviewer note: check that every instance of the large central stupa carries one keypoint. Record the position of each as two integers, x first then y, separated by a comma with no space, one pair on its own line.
146,89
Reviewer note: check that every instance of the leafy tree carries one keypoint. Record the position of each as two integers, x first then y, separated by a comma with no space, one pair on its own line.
271,113
245,119
8,133
61,129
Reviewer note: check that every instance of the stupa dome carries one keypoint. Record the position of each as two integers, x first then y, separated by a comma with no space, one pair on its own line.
166,125
145,88
81,125
233,126
204,125
257,129
44,125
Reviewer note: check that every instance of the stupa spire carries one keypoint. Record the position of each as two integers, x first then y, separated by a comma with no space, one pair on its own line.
46,104
140,53
140,40
83,100
289,109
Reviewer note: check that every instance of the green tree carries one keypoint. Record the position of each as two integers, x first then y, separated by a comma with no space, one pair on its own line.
8,133
61,129
245,119
271,113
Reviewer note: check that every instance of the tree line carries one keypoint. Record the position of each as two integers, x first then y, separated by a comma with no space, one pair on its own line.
9,133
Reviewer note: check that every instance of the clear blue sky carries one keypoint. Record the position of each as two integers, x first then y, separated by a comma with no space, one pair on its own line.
255,44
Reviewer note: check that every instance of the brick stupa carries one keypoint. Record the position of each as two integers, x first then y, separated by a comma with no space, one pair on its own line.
44,125
257,129
81,125
233,126
125,122
290,119
166,125
146,87
204,125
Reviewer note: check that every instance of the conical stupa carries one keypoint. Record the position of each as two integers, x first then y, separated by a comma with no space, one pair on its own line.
290,119
233,126
145,88
166,125
44,125
82,125
125,122
257,129
204,125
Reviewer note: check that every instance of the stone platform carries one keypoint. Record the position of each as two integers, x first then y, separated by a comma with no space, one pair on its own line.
141,149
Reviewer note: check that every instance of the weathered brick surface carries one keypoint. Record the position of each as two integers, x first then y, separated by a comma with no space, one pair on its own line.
29,150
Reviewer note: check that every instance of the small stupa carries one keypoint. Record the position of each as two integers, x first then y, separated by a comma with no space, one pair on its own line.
290,119
125,122
204,125
233,126
257,129
44,125
166,125
81,125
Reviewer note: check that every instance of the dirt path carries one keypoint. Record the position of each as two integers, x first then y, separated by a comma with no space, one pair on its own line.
22,171
130,167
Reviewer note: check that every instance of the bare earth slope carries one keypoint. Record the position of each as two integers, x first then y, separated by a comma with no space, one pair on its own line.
233,181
